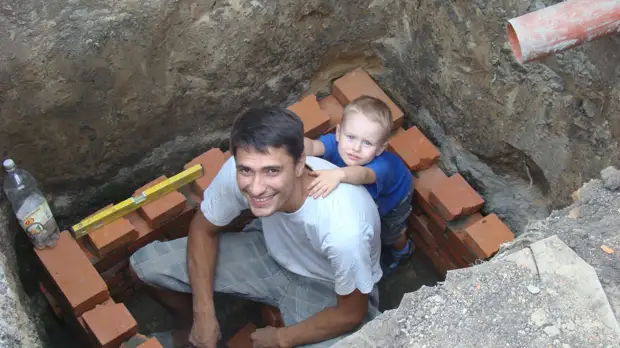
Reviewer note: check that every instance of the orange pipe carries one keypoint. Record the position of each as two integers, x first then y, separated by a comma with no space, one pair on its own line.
562,26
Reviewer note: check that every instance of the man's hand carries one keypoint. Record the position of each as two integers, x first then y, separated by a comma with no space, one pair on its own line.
266,337
326,181
205,332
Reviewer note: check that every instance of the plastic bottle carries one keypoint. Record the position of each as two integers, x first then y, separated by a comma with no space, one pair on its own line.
30,207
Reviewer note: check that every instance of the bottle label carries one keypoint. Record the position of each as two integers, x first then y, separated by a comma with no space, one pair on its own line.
34,223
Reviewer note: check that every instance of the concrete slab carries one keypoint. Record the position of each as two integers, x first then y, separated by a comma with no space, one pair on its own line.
541,296
555,261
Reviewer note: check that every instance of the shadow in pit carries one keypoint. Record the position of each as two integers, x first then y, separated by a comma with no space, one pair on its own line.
232,314
409,277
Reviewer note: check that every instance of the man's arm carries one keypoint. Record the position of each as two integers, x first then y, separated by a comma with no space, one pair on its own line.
202,241
348,313
222,202
313,147
349,255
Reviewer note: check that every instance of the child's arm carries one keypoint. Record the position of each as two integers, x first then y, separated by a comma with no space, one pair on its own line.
327,180
358,175
313,147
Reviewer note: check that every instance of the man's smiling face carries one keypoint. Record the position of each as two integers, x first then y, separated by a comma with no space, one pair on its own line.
268,180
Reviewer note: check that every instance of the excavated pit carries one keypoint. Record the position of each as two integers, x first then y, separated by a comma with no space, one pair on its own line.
114,95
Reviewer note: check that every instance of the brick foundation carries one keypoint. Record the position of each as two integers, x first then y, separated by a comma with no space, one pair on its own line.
86,280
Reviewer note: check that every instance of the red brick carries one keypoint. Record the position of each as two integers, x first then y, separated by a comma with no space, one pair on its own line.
86,249
438,236
438,257
163,209
271,316
424,182
120,291
413,148
81,286
424,227
105,240
333,109
111,236
51,300
141,341
135,341
110,324
151,343
211,161
104,263
111,259
125,295
179,225
437,222
117,277
316,121
454,198
420,226
242,338
443,261
358,83
454,236
435,248
486,235
428,179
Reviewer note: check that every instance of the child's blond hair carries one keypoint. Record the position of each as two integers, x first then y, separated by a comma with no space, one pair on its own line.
373,109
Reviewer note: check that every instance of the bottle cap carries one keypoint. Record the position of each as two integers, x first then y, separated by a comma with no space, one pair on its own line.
8,164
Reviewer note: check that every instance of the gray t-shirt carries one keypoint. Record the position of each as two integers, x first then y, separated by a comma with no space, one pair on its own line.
336,238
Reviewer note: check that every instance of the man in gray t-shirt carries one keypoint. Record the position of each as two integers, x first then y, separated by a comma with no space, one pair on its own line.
317,260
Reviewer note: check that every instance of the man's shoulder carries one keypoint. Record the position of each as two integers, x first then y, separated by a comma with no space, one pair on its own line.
317,163
347,204
229,169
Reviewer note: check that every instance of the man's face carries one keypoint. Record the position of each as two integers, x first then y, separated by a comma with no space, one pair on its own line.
267,180
359,140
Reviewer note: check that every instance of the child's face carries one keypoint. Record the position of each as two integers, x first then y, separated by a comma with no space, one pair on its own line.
359,140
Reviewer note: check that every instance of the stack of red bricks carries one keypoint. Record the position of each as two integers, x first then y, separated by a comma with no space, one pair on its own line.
86,280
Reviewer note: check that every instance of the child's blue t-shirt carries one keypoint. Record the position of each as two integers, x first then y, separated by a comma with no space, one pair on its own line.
393,181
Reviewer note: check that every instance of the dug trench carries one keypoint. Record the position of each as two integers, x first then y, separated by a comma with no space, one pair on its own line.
449,226
111,115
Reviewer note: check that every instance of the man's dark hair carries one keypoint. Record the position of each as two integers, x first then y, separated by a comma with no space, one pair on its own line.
259,129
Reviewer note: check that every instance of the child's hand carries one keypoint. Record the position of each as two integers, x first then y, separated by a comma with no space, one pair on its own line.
326,181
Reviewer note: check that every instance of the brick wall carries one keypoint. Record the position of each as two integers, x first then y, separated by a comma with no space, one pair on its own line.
87,280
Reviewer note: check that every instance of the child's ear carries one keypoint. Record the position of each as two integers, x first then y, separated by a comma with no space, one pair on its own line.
382,148
337,132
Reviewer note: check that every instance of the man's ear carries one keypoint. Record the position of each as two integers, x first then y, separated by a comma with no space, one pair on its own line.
300,165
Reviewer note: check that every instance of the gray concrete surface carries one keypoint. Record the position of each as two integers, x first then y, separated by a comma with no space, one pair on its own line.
546,296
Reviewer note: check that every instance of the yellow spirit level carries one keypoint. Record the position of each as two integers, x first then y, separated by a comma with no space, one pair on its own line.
125,207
